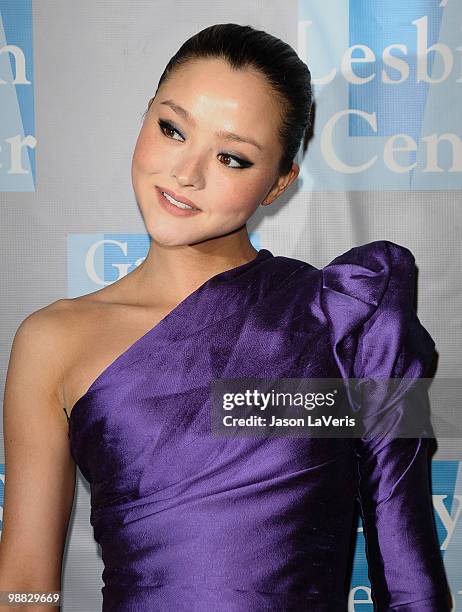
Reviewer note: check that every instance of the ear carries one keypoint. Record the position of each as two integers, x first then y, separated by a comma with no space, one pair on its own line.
281,184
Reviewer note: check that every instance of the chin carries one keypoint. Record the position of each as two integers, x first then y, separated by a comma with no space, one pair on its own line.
164,240
171,237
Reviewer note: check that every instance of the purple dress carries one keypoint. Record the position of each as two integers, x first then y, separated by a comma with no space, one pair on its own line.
188,521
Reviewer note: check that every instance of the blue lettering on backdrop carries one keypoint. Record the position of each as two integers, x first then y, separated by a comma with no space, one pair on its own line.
17,123
386,77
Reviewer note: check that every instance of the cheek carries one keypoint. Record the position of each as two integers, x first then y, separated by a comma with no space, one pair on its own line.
143,153
148,155
233,207
243,197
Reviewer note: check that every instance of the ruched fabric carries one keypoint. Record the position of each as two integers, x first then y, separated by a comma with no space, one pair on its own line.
192,521
368,296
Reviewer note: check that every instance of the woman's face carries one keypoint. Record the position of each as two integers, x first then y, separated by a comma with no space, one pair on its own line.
183,147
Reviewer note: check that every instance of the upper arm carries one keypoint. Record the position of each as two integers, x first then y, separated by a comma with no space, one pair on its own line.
367,296
39,469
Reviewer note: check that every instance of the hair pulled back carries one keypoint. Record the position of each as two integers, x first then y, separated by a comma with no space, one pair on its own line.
245,47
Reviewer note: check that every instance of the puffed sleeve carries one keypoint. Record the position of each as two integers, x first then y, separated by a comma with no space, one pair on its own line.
367,296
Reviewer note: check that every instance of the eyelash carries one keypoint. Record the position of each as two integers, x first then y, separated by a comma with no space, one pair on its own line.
165,125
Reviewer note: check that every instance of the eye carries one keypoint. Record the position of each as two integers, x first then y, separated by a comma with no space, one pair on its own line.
165,126
242,162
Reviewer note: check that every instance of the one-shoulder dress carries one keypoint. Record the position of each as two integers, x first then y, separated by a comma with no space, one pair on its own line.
190,521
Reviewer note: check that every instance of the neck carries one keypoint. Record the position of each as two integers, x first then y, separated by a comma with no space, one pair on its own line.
170,273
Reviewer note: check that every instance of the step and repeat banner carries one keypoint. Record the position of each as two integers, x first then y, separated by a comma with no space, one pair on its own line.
385,162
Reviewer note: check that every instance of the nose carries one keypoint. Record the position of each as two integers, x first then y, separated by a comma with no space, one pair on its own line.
189,170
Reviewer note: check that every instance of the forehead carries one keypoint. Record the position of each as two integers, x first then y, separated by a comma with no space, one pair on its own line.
210,89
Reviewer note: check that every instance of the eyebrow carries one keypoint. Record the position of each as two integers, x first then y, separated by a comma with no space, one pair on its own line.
224,134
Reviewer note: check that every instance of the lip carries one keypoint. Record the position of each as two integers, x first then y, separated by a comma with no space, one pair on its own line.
178,198
174,210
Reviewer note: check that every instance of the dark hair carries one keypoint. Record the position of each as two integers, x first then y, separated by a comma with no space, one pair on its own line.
289,77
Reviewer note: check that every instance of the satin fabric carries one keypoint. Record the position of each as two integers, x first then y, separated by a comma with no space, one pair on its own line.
191,521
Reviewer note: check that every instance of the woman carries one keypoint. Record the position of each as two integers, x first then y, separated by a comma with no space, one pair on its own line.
187,520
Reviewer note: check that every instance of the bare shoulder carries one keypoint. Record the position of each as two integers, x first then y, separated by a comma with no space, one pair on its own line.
46,339
51,330
44,330
45,321
38,347
70,342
